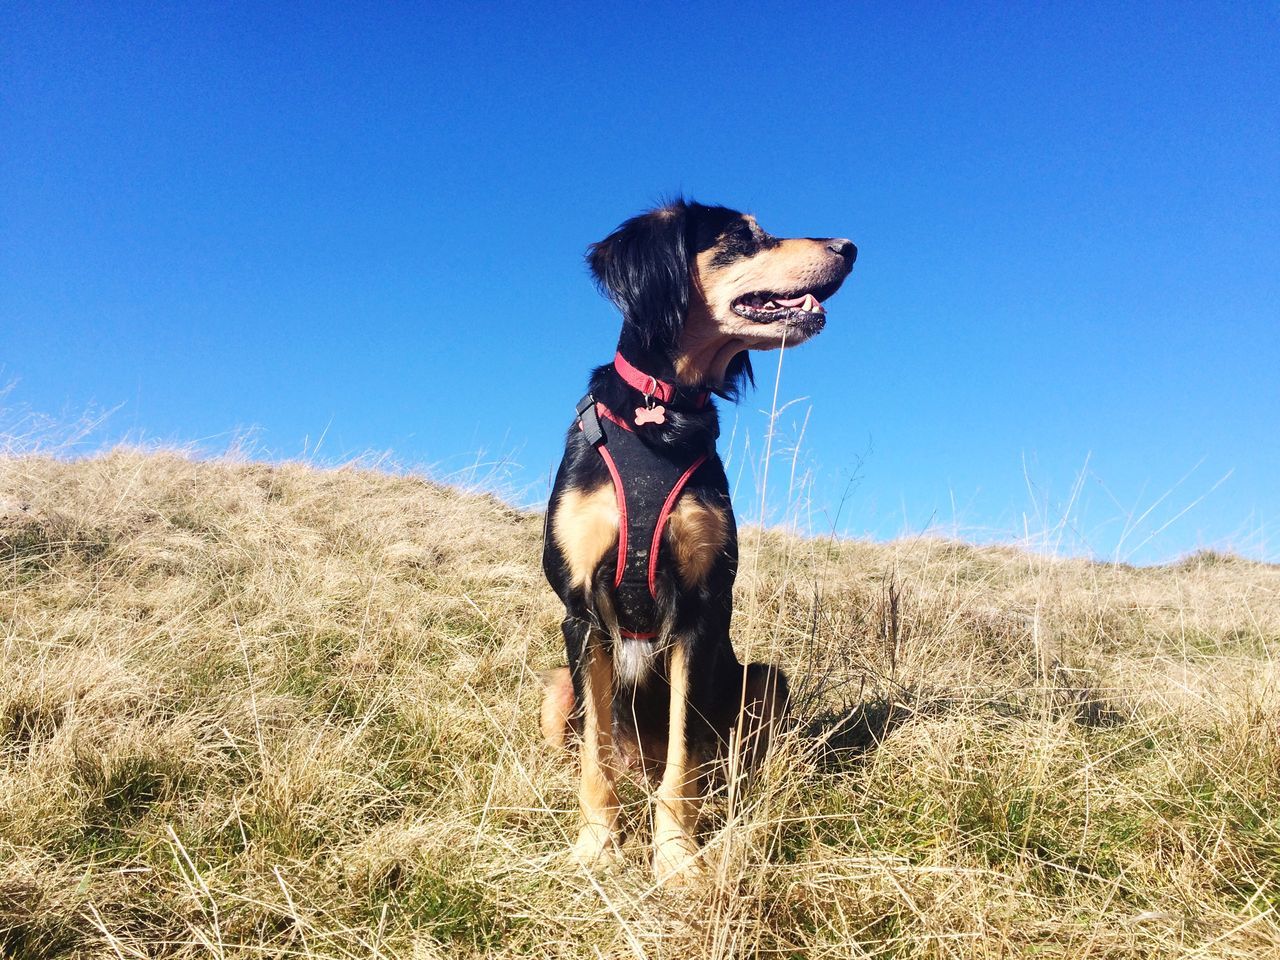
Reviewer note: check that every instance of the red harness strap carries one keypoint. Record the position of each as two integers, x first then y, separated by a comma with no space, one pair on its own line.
620,493
610,415
662,519
647,485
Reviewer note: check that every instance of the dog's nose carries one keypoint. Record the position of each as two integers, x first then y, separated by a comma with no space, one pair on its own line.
843,248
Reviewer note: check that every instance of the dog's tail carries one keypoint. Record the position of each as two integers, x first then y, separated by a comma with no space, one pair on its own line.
558,717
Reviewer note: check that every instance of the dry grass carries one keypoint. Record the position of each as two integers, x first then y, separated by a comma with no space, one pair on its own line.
278,711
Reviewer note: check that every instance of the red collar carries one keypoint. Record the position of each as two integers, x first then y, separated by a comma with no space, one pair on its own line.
648,384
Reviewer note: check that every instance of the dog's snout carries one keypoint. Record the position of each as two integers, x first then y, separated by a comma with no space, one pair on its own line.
843,248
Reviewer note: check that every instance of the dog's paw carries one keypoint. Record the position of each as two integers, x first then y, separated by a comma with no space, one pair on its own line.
597,846
675,860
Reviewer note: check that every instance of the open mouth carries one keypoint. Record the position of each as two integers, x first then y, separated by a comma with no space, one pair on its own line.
762,307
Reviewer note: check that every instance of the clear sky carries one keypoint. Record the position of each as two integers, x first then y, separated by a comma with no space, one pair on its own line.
360,228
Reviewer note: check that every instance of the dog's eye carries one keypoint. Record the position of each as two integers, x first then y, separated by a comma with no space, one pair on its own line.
740,237
737,241
763,238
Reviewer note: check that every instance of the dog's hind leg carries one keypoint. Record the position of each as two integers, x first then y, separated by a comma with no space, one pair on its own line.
597,795
765,695
676,808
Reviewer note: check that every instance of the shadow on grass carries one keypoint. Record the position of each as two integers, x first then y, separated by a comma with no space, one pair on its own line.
845,737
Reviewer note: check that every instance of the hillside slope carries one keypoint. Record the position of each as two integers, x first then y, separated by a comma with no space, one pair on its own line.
250,710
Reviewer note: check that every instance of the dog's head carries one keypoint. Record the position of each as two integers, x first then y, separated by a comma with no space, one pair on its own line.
699,286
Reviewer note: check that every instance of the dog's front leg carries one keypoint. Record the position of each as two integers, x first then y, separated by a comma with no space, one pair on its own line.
597,795
676,808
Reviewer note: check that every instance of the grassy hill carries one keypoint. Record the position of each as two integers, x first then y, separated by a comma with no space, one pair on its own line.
255,711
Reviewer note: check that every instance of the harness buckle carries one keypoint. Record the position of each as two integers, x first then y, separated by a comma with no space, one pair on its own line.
589,420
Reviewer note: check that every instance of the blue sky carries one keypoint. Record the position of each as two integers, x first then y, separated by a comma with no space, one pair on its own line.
366,223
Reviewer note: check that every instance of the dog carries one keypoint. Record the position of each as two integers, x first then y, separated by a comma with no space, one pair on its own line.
640,541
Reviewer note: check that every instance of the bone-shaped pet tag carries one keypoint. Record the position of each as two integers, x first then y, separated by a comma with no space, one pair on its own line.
654,414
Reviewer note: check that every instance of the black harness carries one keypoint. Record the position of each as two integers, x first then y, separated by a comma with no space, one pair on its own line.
647,484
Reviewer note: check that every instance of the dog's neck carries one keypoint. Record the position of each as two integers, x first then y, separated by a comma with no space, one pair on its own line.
706,363
701,363
653,361
658,363
688,422
653,388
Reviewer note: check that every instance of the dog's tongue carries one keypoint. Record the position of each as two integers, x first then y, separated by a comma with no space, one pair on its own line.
807,302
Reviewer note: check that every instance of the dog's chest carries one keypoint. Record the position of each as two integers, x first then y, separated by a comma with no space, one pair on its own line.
586,529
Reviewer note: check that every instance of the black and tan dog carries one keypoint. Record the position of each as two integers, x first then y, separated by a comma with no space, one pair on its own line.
641,544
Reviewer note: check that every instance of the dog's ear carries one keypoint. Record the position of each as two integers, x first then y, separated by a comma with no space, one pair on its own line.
736,376
643,267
